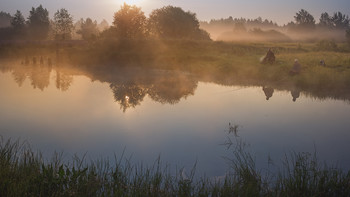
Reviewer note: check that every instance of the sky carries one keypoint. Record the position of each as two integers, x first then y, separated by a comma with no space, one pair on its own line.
280,11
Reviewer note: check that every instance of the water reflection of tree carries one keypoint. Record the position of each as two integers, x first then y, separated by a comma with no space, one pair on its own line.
63,80
295,92
19,76
40,76
128,95
4,68
163,88
268,92
171,90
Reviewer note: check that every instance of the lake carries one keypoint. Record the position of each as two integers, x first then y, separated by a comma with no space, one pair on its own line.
178,116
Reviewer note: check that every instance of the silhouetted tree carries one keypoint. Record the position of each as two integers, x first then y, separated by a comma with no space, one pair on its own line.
173,22
103,25
291,26
18,24
39,23
6,32
326,21
108,33
88,29
63,25
5,19
340,21
129,22
304,20
230,22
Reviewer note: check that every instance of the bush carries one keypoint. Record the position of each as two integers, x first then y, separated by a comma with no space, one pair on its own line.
326,45
347,35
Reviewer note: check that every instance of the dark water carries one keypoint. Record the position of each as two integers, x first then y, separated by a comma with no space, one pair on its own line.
171,114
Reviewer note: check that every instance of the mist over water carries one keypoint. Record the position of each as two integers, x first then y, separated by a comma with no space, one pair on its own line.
168,113
157,102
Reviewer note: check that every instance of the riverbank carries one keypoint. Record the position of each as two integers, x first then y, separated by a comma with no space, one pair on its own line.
219,62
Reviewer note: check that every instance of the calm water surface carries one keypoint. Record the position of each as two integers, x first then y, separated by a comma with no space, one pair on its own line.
170,114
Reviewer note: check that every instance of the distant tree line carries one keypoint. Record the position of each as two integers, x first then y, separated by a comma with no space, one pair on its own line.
305,21
5,19
129,22
256,23
38,26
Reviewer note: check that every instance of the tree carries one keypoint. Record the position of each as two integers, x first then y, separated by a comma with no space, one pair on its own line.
18,24
174,23
326,21
63,25
103,25
129,22
5,19
340,21
304,20
39,23
88,29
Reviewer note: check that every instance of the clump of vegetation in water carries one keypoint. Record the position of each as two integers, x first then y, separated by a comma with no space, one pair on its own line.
24,173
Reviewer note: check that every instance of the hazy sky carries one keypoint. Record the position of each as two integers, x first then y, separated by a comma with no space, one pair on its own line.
280,11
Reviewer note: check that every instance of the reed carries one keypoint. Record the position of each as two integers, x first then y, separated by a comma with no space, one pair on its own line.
24,172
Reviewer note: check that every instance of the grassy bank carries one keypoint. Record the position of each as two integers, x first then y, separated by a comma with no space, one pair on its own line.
219,62
234,63
24,172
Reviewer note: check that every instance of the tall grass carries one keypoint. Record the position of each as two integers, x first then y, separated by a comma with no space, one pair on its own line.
25,173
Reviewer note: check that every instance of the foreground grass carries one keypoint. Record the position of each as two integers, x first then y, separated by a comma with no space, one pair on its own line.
24,173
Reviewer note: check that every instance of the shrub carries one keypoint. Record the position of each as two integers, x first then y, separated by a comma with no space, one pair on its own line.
327,45
347,35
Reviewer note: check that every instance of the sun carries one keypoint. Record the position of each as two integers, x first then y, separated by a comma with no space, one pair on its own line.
130,2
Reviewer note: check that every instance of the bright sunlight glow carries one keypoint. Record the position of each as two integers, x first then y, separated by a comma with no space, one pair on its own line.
130,2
